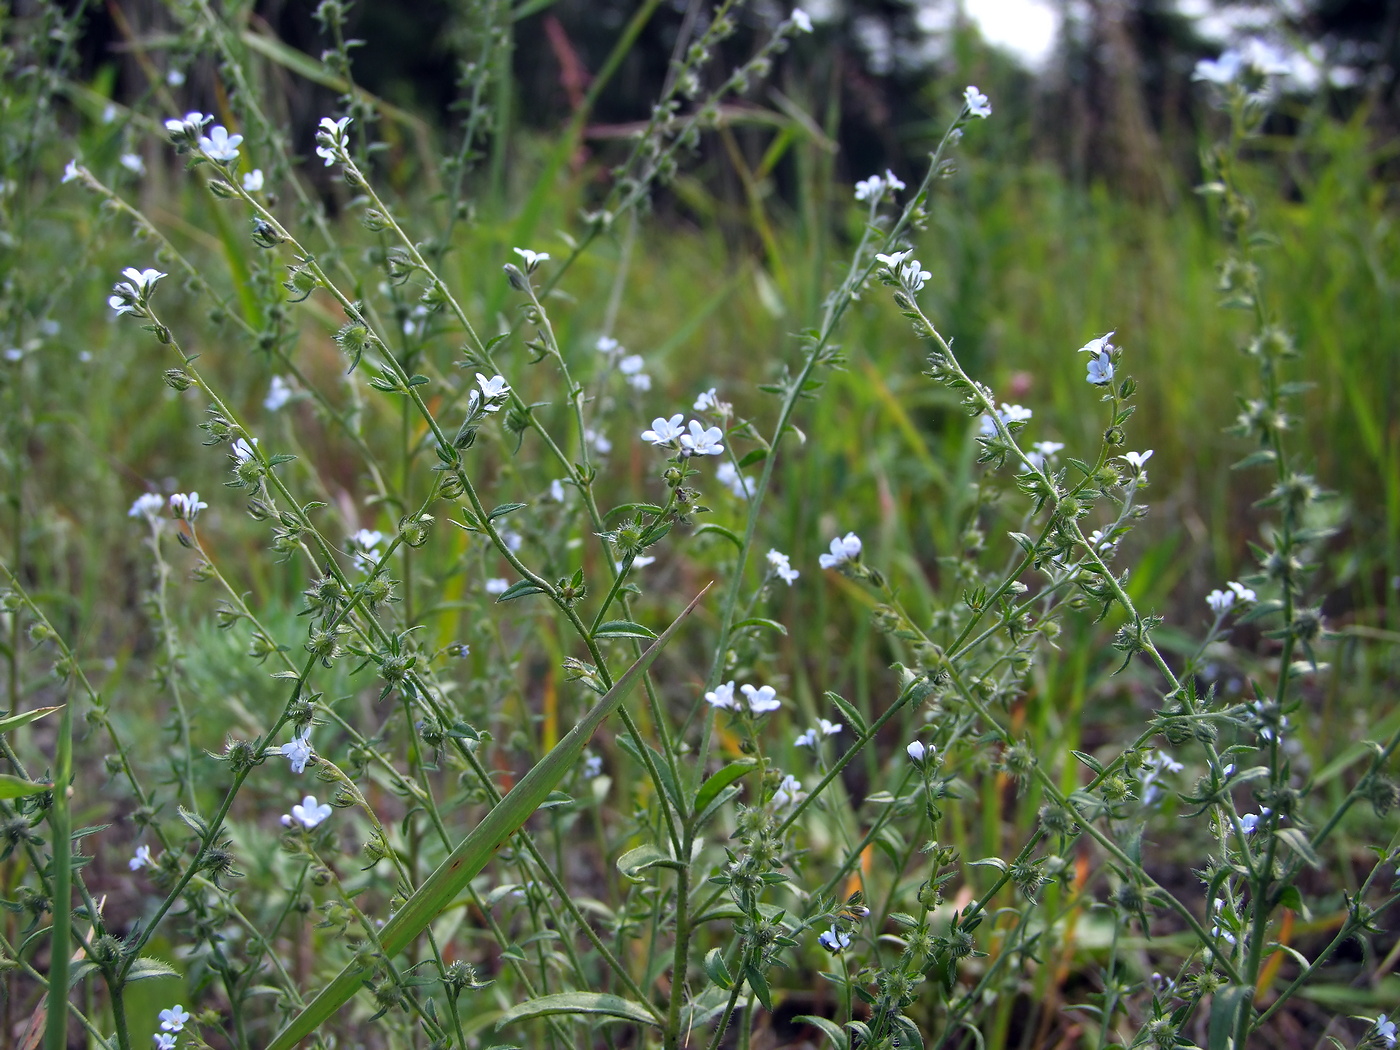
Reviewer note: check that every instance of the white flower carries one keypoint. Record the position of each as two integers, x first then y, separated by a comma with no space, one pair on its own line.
531,259
782,567
71,171
1220,601
219,144
130,295
843,549
789,793
807,739
330,139
1217,930
641,561
1243,593
631,366
702,440
664,431
364,548
147,506
173,1020
976,102
894,260
1043,453
512,539
175,78
893,181
870,189
834,940
143,859
133,163
556,491
187,127
496,585
801,21
299,751
1100,541
709,401
916,750
761,700
1385,1031
830,728
606,344
253,180
599,441
279,392
727,474
913,276
185,507
164,1041
1100,370
1223,70
1008,414
493,390
1138,461
241,450
308,814
723,696
1101,345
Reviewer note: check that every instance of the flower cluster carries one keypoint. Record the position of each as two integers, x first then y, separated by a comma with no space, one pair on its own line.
873,188
186,507
812,736
1221,602
1009,415
147,505
1101,356
782,567
700,441
299,751
332,143
761,700
186,131
133,295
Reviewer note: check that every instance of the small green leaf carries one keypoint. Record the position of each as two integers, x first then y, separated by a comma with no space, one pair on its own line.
519,590
146,967
1088,760
25,717
759,984
721,780
635,861
504,509
18,787
580,1003
829,1028
716,970
418,380
1297,841
622,629
1225,1007
758,455
854,717
555,799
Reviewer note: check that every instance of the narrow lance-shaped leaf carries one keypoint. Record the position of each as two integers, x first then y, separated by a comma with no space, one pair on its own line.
442,886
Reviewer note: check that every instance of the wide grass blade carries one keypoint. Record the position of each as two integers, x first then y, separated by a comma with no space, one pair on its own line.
443,885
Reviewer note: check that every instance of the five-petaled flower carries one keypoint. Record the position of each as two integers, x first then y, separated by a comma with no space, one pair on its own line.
143,859
1220,601
894,260
843,549
173,1020
782,567
164,1041
308,814
664,431
219,144
532,260
299,751
1242,593
702,440
976,102
253,180
834,940
1100,371
913,275
761,700
493,391
722,697
789,793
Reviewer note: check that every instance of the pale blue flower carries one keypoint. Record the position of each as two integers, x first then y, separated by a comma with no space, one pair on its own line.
186,507
843,549
147,505
664,431
219,144
782,567
702,440
253,180
142,859
299,751
722,697
1220,601
789,793
916,750
308,814
531,259
1100,370
278,394
173,1020
977,103
761,700
834,940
